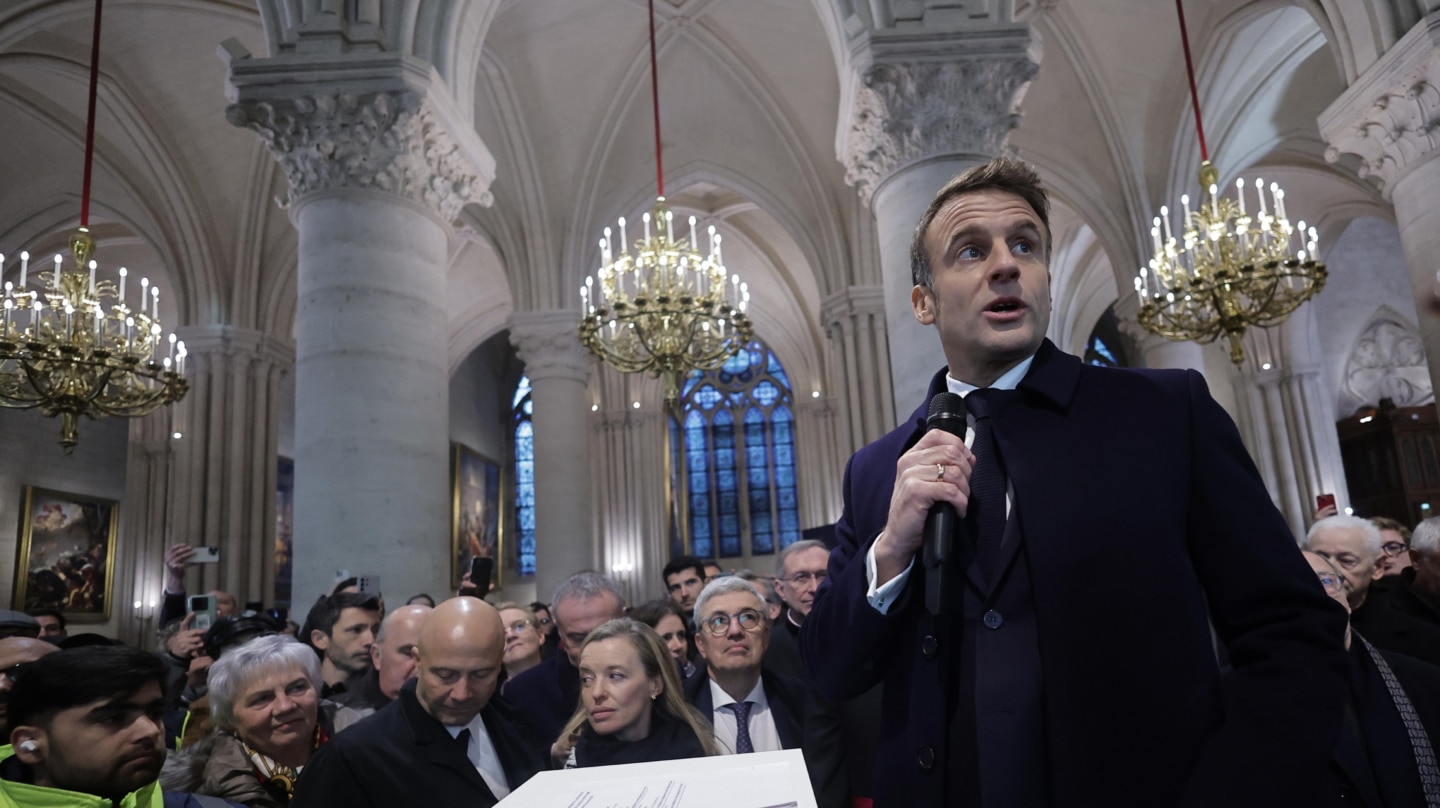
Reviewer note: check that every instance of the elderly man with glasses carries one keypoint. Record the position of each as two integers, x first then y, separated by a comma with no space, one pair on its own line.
751,708
1392,714
1354,546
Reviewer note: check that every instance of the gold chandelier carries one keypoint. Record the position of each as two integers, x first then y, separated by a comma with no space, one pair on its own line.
1230,267
65,350
664,309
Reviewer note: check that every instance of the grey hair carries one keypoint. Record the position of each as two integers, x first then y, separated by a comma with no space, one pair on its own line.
797,547
724,586
1426,538
1342,522
764,584
586,585
250,661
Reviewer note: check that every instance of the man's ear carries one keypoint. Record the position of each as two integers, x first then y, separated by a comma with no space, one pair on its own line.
319,639
922,299
30,744
1378,573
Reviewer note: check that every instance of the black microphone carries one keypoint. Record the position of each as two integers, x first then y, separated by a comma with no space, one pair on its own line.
947,412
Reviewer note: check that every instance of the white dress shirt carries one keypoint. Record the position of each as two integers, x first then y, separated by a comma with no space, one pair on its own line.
763,735
482,753
883,597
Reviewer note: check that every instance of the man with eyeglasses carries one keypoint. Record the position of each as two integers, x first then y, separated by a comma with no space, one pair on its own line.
1354,546
1416,589
1392,715
1394,545
754,709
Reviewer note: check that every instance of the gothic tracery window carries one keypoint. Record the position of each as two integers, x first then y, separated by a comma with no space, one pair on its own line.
736,441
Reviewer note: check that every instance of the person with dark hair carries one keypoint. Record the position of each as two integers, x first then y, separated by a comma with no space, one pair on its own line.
1015,673
1394,545
632,707
684,577
84,729
449,739
394,665
545,624
669,622
341,628
421,599
52,624
713,570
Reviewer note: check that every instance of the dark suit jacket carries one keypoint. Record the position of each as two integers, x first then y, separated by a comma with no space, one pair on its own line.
801,721
401,755
548,693
1400,592
1114,472
1390,629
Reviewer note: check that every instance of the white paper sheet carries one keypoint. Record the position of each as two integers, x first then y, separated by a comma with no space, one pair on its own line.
760,780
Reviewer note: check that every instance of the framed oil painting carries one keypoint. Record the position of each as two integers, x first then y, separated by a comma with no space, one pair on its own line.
66,554
476,512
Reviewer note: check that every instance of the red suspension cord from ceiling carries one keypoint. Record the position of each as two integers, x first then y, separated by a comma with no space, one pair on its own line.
1190,73
90,119
655,98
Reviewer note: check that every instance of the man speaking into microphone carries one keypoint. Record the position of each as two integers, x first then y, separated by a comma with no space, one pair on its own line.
1049,643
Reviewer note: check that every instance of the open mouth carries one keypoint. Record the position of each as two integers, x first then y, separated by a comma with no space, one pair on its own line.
1005,305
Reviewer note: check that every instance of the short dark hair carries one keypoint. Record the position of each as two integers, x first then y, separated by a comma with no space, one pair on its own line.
327,610
680,564
537,606
999,174
55,613
425,595
76,676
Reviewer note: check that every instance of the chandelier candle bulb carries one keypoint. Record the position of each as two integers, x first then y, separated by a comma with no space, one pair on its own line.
1185,222
692,234
155,296
92,278
55,276
646,219
24,267
624,245
1214,202
1165,217
1240,194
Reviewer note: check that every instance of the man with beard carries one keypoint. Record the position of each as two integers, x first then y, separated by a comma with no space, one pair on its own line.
86,723
341,628
448,739
394,666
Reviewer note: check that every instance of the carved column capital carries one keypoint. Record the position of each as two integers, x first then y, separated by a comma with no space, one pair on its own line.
1390,116
839,309
205,341
549,344
908,110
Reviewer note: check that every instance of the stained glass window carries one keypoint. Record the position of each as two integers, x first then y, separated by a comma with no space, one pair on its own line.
739,457
522,409
1106,347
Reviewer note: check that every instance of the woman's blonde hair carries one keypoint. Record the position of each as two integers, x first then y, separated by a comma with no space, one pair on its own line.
656,660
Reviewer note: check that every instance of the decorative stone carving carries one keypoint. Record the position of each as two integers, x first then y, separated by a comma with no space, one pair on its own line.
839,310
1390,117
1388,361
549,344
390,141
907,111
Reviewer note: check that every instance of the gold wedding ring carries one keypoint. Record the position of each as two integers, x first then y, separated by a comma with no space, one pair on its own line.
939,472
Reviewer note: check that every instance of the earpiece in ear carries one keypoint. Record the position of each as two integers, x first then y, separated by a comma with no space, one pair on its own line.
29,746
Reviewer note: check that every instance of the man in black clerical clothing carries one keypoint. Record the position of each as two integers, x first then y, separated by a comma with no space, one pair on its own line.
1017,674
550,692
447,740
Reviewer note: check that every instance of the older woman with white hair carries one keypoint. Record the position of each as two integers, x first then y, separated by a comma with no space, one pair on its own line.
265,699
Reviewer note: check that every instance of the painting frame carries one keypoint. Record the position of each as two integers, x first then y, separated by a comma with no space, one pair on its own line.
103,526
477,495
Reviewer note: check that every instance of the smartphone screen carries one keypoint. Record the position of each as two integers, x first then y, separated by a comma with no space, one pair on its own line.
481,571
204,608
1324,501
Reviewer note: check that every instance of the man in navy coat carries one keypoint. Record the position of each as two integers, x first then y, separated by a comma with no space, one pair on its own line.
1115,519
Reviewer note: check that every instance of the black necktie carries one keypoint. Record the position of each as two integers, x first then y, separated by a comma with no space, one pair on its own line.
986,513
743,744
463,739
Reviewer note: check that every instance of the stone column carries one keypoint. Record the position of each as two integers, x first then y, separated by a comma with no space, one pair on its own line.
379,163
559,368
224,460
855,322
920,115
149,473
1388,119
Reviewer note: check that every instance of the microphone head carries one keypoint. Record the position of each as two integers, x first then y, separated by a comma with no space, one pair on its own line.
947,412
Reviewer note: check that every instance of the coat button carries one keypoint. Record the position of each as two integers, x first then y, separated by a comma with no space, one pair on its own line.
929,646
926,758
993,620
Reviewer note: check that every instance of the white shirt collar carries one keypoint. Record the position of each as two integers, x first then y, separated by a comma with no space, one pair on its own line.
719,698
1007,381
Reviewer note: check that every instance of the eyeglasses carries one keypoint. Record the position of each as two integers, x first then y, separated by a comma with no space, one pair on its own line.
1393,548
803,578
518,626
719,624
1333,583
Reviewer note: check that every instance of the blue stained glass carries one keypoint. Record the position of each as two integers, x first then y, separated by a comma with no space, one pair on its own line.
708,397
1104,350
691,379
522,410
697,461
766,393
702,547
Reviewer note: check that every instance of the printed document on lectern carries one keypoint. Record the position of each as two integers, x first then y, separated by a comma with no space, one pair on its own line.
758,780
